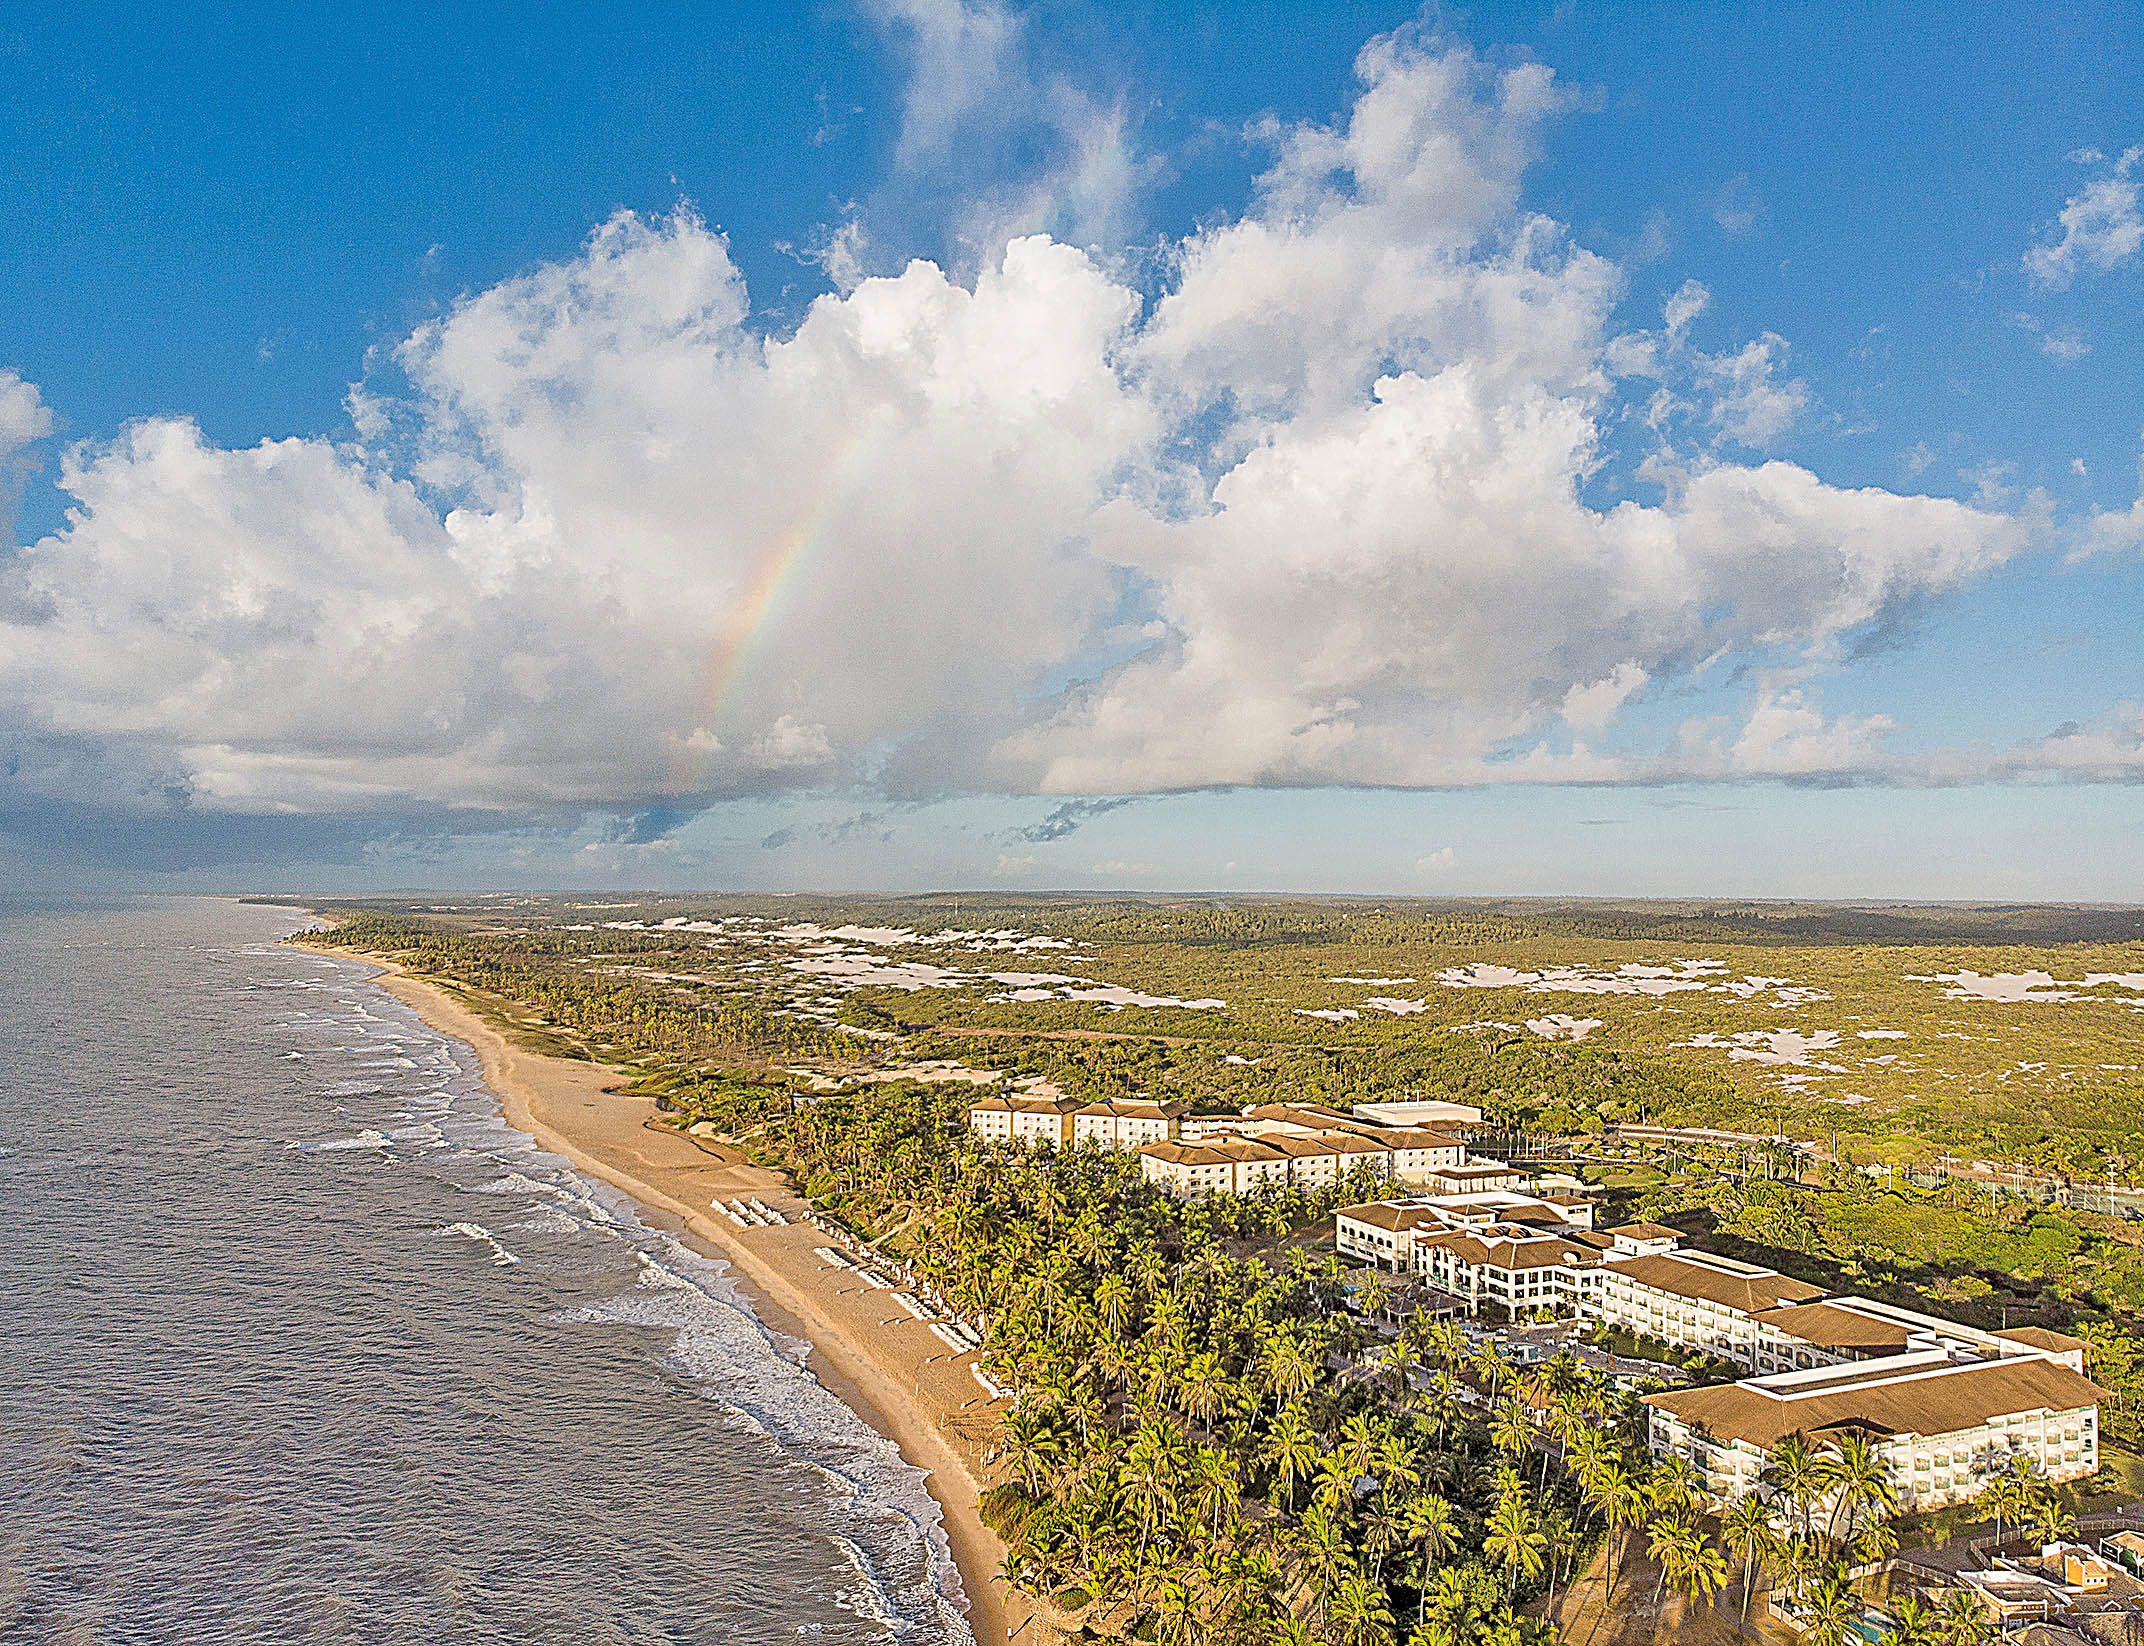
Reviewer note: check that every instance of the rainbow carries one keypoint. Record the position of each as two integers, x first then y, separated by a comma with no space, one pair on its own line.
783,558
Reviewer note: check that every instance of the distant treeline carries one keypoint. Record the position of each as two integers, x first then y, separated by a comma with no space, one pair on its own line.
1458,922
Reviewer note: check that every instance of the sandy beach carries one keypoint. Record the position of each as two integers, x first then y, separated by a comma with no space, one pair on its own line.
867,1348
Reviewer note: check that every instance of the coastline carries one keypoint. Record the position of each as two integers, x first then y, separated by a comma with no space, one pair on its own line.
895,1374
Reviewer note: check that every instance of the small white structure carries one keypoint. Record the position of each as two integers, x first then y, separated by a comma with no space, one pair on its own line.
1428,1112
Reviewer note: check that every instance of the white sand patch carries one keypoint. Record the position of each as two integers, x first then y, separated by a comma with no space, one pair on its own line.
1483,976
1557,1026
936,1072
1242,1062
1375,982
2017,988
1631,978
1776,1048
863,971
1116,999
1880,1034
1799,995
1752,985
1848,1099
1398,1008
1336,1014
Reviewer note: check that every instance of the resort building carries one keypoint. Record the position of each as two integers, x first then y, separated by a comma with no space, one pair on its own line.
1394,1234
1126,1123
1944,1422
1232,1166
1519,1272
1428,1112
1693,1300
1475,1177
1032,1121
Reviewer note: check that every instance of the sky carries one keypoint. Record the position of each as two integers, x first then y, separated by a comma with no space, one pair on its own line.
892,444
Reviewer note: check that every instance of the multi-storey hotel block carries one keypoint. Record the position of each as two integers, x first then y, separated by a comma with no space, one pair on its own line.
1945,1404
1306,1145
1943,1420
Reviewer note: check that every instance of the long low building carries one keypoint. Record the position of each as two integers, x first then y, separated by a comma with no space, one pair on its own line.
1943,1422
1126,1123
1032,1121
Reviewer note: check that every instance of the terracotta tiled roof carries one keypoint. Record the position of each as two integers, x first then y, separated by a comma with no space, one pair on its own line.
2039,1337
1829,1326
1938,1400
1748,1289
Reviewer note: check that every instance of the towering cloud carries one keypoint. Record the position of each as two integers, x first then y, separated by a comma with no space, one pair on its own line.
1314,511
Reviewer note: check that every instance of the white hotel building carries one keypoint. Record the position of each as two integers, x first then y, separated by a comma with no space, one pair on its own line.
1943,1422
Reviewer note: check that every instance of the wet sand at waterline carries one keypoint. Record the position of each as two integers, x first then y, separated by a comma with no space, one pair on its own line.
889,1367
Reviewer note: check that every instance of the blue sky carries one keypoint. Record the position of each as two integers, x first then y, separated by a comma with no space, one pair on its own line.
1842,593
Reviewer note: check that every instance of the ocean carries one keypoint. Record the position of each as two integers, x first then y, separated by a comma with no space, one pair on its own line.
299,1341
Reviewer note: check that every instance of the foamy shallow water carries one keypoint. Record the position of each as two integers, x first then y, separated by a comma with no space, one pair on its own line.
300,1341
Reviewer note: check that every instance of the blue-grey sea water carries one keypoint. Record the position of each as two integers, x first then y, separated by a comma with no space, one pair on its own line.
300,1342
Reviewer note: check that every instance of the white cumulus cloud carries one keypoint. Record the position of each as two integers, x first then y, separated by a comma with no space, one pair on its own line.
2098,229
1314,511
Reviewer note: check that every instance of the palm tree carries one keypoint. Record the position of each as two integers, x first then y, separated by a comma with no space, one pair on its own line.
1360,1615
1358,1443
1394,1466
2050,1519
1202,1387
1430,1526
1292,1448
1746,1529
1176,1614
1962,1619
1287,1367
1913,1621
1214,1488
1795,1473
1702,1572
1861,1481
1512,1538
1493,1365
1335,1488
1830,1613
1513,1430
1673,1541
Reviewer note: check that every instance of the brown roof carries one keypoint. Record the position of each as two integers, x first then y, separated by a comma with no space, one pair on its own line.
1301,1114
1351,1143
1299,1148
1044,1105
1750,1292
1645,1231
1829,1326
1415,1137
2039,1337
1542,1253
1384,1215
1210,1154
1939,1399
1479,1168
1137,1108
